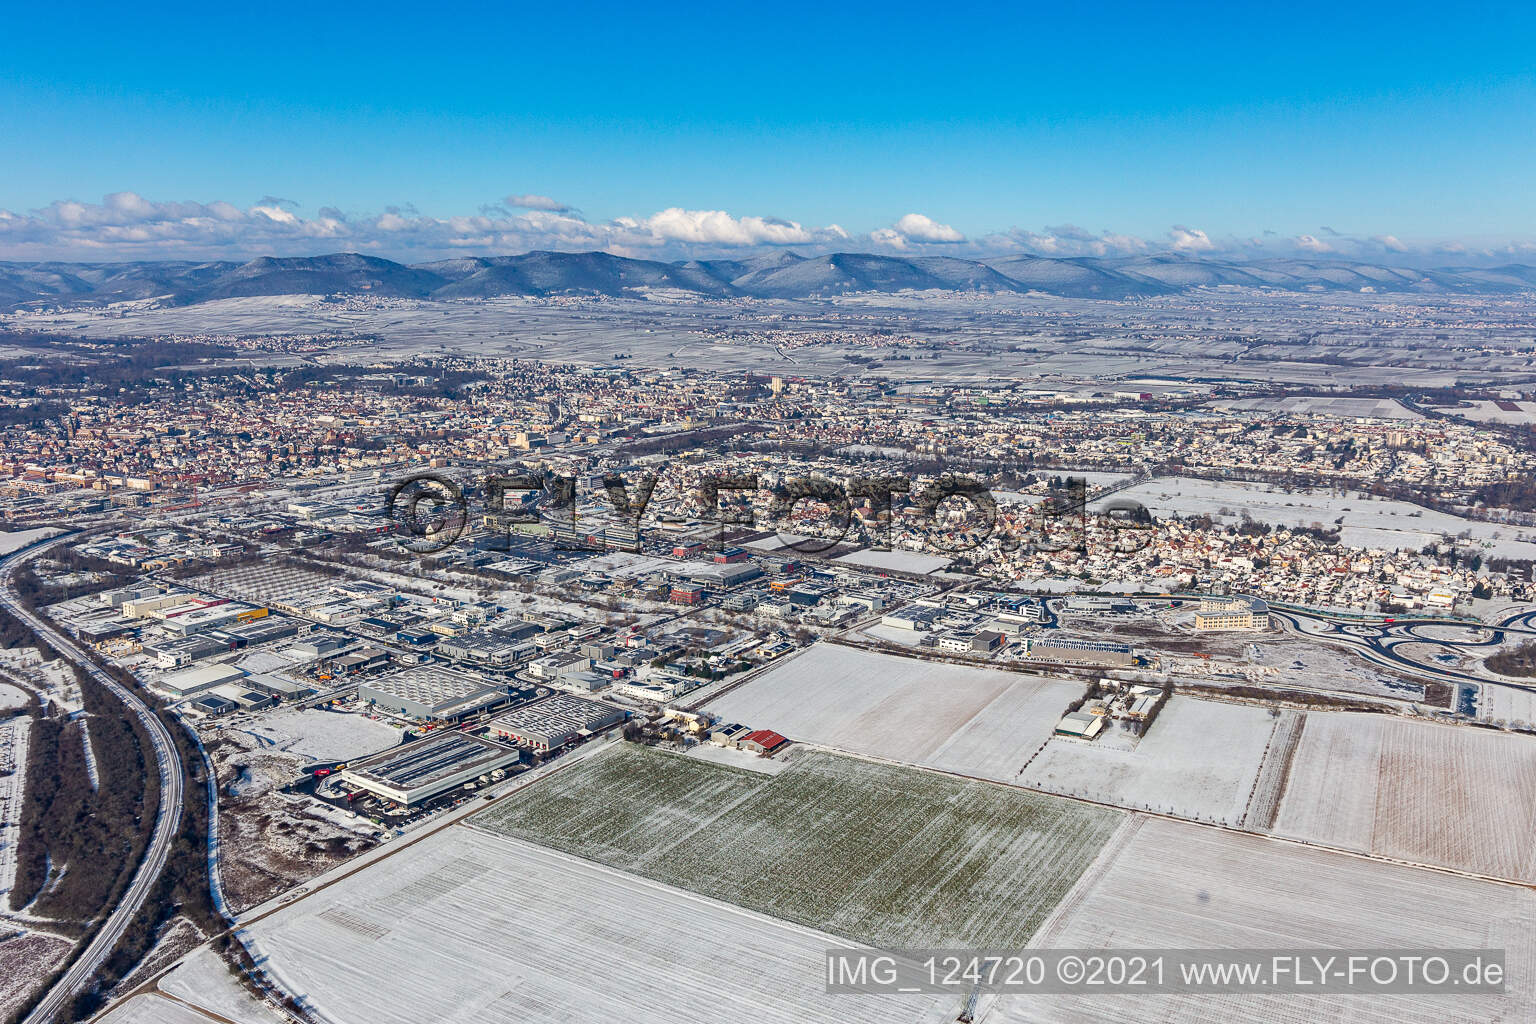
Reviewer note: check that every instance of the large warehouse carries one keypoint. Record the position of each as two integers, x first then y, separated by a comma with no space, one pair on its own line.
551,723
426,768
428,692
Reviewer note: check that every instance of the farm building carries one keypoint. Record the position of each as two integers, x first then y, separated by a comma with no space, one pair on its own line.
1081,725
763,741
427,768
552,723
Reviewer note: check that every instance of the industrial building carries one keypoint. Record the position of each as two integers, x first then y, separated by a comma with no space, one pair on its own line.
551,723
426,692
421,770
1081,652
189,681
486,649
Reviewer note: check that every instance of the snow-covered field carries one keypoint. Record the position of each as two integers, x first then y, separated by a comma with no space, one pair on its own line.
1199,760
1180,886
1449,796
467,926
321,735
204,980
19,539
975,721
1368,522
154,1009
12,697
1505,704
887,855
895,561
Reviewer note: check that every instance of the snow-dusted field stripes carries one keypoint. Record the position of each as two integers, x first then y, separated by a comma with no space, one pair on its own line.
1449,796
467,926
977,721
875,853
1182,886
1199,760
1274,773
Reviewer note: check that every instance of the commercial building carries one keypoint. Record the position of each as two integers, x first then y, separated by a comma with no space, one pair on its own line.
1218,614
427,692
427,768
552,723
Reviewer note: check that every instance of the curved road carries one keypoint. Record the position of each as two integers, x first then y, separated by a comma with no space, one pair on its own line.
167,817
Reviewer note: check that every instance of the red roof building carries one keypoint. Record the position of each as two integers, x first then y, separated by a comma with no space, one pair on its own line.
763,741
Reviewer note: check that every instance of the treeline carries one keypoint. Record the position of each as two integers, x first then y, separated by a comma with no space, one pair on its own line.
1517,661
1519,495
79,845
183,888
16,634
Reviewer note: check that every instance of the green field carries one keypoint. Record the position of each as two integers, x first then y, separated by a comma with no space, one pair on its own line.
883,855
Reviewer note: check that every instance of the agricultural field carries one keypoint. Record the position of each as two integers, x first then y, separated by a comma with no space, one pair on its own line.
205,981
1443,795
1199,760
467,926
25,959
974,721
875,853
1172,885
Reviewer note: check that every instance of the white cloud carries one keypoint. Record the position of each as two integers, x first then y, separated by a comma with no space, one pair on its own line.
915,227
716,227
1190,239
536,202
126,226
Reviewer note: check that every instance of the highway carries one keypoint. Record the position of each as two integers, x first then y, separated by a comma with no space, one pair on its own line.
167,818
1380,648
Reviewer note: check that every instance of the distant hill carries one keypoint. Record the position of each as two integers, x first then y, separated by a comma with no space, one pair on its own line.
784,275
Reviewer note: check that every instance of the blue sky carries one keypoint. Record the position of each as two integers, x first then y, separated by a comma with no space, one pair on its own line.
1086,125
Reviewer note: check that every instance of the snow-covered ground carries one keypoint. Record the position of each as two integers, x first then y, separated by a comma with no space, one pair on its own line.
1198,760
1367,522
21,538
972,720
1445,795
204,980
895,561
1179,886
321,735
466,926
1507,705
155,1009
738,758
13,697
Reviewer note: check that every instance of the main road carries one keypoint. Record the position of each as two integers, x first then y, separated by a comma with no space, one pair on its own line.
167,814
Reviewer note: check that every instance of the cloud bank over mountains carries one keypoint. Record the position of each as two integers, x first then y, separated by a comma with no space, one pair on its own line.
128,226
